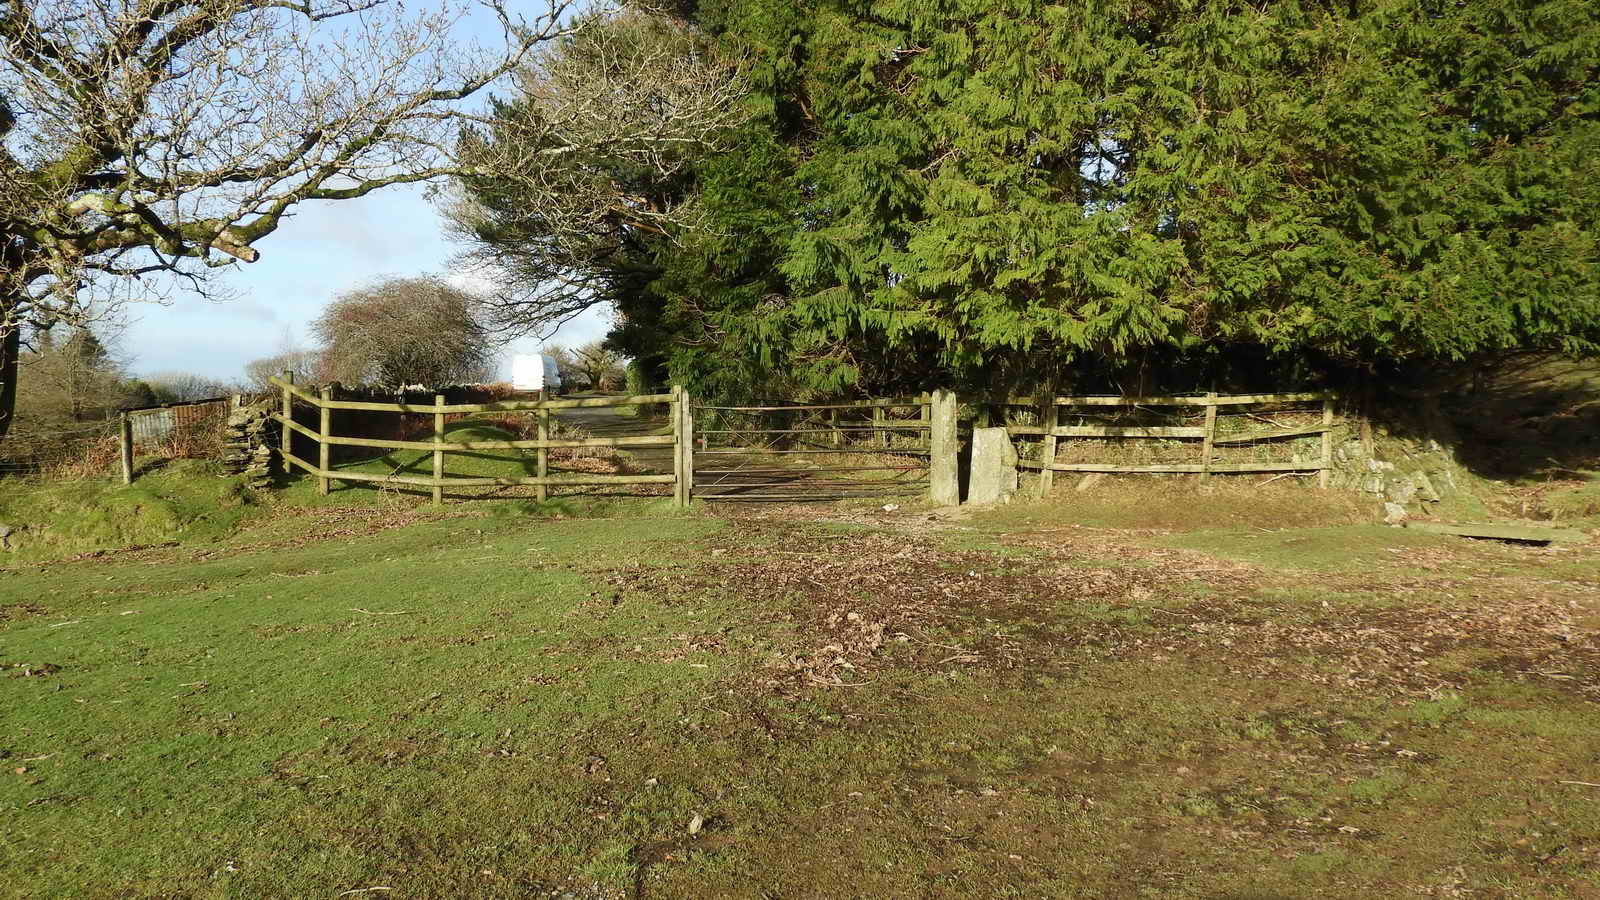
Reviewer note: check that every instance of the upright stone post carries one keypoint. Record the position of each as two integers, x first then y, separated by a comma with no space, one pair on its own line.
944,475
993,476
1049,421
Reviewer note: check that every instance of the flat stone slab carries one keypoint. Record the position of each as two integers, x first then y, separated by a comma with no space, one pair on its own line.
1532,533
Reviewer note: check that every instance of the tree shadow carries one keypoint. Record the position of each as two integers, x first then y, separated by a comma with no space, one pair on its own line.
1528,417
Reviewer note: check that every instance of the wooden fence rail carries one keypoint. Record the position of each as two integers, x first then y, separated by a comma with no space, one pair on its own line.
543,480
933,429
1050,411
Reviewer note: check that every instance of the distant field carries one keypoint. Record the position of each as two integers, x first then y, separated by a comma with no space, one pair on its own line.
338,698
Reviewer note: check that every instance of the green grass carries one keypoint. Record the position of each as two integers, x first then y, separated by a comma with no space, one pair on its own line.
329,698
1310,549
328,710
187,499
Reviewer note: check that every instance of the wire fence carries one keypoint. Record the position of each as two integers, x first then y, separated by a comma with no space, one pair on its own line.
65,450
38,448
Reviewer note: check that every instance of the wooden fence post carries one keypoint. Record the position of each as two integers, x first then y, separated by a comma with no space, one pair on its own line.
324,429
542,492
688,447
838,436
683,448
1327,442
880,436
1049,418
944,476
288,416
923,416
438,451
1211,435
125,440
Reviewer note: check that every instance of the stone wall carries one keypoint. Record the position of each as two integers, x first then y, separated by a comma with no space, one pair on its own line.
1410,475
250,443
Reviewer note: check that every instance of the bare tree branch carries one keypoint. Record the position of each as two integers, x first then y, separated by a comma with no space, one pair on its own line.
151,137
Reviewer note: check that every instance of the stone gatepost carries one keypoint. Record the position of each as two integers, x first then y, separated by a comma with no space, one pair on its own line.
994,467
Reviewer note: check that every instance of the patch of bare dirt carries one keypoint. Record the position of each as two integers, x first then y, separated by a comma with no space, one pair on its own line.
853,595
16,612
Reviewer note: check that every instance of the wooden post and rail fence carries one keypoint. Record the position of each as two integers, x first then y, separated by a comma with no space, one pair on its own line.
325,439
1051,410
1060,425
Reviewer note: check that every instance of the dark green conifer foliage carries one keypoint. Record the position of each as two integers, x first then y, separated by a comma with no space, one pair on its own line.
984,193
979,191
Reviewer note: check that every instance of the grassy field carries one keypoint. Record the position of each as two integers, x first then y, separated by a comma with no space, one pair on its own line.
1103,696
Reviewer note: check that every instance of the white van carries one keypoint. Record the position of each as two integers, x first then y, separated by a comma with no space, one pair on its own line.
535,372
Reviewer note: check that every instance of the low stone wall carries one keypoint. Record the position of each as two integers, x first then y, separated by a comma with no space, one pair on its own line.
249,443
1407,475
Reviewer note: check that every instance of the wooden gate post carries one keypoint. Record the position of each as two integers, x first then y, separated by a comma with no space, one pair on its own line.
688,448
438,451
880,436
923,416
1327,442
288,416
1049,419
1211,435
542,492
682,447
944,476
125,442
324,429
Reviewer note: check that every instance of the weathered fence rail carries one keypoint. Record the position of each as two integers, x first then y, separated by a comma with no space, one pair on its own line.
867,448
1053,428
325,439
852,449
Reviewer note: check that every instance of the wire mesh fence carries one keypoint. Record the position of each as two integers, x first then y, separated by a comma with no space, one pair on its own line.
64,450
58,449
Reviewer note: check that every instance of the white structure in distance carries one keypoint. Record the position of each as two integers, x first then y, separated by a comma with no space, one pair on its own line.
535,372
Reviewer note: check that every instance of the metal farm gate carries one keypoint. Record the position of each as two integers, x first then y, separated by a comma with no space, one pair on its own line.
810,452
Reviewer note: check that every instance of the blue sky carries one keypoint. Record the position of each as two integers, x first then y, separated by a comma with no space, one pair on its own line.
325,249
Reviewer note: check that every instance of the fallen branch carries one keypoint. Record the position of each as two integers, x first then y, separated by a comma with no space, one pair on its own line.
362,890
1583,783
369,612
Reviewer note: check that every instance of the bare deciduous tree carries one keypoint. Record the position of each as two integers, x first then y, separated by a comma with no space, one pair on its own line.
304,364
140,137
602,366
585,164
404,331
182,387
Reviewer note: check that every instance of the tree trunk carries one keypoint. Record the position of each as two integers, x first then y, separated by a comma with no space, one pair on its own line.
10,353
